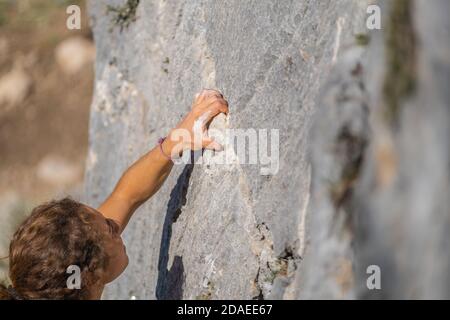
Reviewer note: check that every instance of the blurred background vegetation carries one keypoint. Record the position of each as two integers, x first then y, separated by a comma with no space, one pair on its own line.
46,85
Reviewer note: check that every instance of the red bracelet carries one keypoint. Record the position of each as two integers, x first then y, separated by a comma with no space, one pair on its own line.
160,141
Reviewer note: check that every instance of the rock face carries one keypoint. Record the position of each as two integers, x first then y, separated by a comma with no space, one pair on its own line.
363,171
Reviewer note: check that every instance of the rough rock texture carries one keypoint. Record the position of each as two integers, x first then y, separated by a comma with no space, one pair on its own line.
363,173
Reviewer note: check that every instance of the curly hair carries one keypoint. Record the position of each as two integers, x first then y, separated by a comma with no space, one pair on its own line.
56,235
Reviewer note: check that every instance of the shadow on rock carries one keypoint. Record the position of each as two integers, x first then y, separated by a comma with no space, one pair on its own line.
170,282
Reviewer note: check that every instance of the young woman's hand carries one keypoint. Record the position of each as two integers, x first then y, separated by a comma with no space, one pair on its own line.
191,133
144,178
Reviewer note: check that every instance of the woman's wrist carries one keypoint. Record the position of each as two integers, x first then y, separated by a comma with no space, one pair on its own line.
171,149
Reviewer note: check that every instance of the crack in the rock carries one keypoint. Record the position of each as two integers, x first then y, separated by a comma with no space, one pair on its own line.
271,266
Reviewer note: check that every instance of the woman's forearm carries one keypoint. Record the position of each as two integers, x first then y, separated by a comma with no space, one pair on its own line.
144,178
138,183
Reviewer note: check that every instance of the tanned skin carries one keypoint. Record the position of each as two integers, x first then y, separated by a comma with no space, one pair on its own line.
144,178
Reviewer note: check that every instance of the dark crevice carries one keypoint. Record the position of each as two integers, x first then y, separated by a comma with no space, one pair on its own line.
353,146
259,295
401,58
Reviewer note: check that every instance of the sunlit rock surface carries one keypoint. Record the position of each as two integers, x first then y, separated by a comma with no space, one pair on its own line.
363,171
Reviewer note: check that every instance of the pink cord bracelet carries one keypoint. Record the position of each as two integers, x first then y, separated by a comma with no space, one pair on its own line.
160,142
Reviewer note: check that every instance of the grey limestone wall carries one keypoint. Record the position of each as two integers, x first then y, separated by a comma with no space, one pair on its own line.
363,172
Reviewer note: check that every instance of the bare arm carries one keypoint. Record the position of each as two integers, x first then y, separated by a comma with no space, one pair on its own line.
144,178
